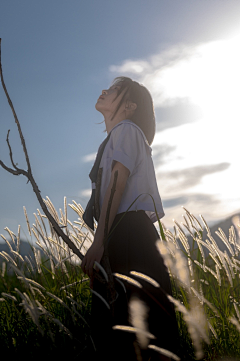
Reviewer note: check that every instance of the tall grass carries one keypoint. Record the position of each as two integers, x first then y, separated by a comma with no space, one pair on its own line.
46,300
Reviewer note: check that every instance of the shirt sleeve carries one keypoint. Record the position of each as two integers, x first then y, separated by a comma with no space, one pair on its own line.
128,145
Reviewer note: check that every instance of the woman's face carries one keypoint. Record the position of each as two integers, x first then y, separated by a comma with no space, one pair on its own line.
108,100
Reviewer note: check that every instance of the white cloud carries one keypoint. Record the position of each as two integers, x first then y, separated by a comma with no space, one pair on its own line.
207,75
89,157
86,193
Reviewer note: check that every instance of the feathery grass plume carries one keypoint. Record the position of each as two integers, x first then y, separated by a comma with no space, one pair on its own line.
196,222
39,292
226,269
58,300
218,275
32,282
70,285
229,264
18,255
64,260
61,218
43,309
65,210
30,308
62,327
164,352
205,224
196,322
145,278
100,297
18,239
64,269
38,226
184,242
13,298
44,226
233,239
27,220
29,262
42,248
35,234
128,279
138,313
234,265
188,229
213,331
170,238
32,290
186,224
133,330
79,304
215,246
211,271
223,237
182,237
79,210
177,265
52,267
236,309
2,299
215,260
9,257
201,251
5,257
52,209
3,268
235,322
190,266
11,234
37,256
189,216
8,243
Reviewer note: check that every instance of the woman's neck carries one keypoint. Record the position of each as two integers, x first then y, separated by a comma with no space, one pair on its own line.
110,123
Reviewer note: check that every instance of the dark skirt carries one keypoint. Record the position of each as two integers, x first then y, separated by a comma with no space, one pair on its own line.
132,247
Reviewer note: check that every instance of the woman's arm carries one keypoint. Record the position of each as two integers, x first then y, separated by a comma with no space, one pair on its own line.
95,252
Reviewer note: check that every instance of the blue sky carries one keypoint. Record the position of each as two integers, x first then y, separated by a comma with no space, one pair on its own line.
58,55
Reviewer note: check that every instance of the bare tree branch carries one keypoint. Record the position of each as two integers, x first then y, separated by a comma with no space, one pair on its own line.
10,151
30,178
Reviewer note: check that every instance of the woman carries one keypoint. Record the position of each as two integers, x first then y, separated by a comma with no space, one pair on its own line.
125,158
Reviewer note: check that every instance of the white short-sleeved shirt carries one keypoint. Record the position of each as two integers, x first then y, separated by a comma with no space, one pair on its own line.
128,145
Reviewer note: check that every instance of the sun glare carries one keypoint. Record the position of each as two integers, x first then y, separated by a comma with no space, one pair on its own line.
203,156
208,76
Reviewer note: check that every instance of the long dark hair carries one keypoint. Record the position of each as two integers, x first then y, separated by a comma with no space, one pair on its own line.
144,115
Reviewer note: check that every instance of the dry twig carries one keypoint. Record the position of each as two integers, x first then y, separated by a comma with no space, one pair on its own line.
28,174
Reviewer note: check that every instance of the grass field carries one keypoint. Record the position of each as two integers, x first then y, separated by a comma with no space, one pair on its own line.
46,300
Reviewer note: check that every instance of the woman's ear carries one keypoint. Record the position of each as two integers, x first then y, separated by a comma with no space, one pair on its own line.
130,106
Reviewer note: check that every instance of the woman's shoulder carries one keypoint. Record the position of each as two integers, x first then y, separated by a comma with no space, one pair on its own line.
128,127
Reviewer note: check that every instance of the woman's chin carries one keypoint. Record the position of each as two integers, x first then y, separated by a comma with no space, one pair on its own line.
98,107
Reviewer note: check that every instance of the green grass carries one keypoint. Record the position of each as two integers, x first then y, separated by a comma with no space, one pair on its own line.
51,317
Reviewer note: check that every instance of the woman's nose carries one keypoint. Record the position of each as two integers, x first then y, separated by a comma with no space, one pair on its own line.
104,92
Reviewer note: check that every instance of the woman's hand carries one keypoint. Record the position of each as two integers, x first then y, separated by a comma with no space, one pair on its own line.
94,253
96,250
